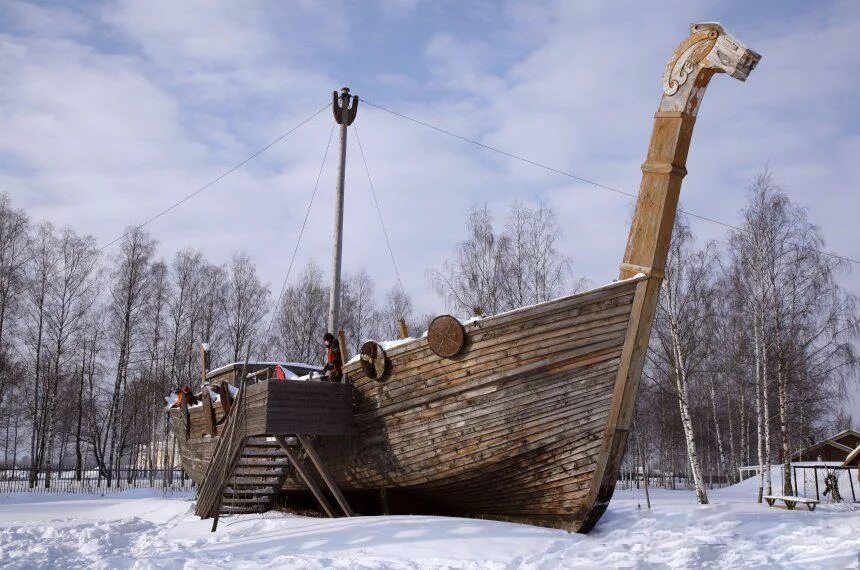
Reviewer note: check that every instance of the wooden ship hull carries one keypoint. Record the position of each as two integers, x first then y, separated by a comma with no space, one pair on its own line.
526,420
518,426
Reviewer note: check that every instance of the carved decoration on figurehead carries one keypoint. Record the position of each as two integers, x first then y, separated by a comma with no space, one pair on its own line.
709,49
683,61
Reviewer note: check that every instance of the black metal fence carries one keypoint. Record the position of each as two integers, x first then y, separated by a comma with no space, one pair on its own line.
813,479
93,481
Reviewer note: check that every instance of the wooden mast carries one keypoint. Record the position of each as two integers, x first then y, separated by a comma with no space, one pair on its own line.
344,115
708,50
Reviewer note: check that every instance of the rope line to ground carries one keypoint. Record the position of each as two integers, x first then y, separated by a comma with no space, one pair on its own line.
379,213
299,239
96,250
582,179
218,178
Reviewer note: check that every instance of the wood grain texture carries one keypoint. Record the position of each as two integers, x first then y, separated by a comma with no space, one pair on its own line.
510,428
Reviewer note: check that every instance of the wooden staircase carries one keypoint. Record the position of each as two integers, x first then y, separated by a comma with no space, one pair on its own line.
257,477
247,469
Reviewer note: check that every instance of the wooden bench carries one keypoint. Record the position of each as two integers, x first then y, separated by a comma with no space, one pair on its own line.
791,502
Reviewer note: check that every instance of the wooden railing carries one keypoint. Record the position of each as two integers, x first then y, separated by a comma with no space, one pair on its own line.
227,452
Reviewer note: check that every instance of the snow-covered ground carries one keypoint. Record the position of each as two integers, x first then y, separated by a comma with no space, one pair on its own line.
144,529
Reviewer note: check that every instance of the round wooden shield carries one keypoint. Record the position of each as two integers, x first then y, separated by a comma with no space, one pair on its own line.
374,361
446,336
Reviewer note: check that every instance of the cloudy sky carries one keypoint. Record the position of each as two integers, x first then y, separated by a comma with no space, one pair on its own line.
113,111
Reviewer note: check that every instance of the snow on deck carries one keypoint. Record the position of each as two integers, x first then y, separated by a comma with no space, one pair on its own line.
143,529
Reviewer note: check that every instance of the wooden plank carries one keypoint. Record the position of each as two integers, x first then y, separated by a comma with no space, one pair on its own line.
501,360
208,412
226,399
429,365
323,471
305,476
313,408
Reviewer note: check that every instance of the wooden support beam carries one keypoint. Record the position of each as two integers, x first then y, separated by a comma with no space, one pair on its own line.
208,412
225,397
204,363
305,476
329,481
186,415
341,340
383,501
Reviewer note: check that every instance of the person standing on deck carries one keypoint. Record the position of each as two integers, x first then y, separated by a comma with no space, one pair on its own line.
185,394
334,363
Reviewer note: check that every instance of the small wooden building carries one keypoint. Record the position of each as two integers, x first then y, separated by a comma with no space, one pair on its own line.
835,448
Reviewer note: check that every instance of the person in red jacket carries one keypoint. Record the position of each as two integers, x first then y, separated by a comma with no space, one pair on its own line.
334,363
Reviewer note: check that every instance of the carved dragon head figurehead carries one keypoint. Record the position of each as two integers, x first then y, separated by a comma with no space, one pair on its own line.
708,50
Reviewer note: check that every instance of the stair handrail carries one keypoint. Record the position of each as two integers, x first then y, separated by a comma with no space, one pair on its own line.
227,452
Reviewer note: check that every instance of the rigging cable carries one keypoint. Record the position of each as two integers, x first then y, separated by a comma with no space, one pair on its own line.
379,213
581,179
223,175
218,178
299,239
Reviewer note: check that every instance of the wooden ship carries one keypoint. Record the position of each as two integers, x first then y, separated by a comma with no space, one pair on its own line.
521,416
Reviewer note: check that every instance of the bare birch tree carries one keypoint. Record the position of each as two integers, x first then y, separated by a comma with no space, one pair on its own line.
300,322
40,275
245,303
475,280
14,226
360,315
683,334
130,283
493,272
71,297
397,305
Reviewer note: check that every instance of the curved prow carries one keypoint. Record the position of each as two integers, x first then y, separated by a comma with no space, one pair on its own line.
708,50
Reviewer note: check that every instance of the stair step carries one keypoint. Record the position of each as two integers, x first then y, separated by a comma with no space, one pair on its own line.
262,462
274,483
261,440
262,451
227,509
250,491
229,501
264,477
258,469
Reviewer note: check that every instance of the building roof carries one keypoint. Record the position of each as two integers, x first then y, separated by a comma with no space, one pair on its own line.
833,441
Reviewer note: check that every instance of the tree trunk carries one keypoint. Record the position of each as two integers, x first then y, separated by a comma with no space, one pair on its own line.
733,458
686,420
722,459
758,408
79,457
783,427
765,403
